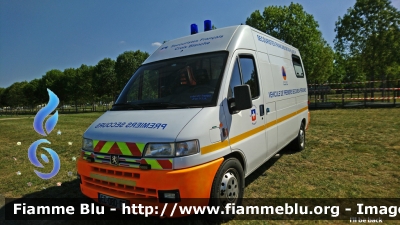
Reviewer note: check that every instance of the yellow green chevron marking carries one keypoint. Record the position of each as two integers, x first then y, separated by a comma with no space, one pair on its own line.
107,146
124,148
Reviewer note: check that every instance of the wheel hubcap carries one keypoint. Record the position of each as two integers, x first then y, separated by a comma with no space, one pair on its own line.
302,137
229,191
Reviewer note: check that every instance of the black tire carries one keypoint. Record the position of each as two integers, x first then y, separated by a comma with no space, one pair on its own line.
228,187
299,143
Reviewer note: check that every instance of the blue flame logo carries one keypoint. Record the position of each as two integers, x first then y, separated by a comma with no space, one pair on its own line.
43,113
38,127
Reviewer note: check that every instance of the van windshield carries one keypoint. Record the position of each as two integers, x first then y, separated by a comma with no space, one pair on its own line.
185,82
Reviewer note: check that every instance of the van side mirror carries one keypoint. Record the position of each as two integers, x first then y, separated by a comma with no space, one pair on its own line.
242,97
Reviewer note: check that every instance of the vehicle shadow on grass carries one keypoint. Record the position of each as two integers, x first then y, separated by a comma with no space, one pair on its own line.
70,194
267,165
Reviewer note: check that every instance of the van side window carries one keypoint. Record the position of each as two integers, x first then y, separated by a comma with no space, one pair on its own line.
235,79
244,72
249,74
298,69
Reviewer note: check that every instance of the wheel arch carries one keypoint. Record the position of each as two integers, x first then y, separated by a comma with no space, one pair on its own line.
239,156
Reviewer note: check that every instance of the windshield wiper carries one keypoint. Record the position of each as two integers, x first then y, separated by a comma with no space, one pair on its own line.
128,105
173,104
163,104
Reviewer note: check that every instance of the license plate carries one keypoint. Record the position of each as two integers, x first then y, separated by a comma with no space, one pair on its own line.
112,202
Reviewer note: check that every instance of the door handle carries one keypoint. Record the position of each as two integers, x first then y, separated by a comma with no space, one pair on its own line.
262,110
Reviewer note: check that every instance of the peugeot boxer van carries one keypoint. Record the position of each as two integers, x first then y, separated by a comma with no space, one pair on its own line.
198,116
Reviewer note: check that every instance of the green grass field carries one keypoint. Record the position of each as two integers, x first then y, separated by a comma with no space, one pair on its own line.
350,153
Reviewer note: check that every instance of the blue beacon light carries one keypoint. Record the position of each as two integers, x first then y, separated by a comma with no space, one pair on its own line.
193,29
207,25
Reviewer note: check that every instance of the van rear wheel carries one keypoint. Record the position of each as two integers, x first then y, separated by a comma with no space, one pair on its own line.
299,143
228,187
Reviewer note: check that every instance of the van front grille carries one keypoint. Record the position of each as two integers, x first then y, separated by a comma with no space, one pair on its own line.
113,181
124,160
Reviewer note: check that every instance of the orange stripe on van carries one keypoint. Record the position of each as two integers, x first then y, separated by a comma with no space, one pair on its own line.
214,147
302,110
288,116
270,124
240,137
246,134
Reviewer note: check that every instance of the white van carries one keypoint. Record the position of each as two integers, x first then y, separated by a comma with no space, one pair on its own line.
201,114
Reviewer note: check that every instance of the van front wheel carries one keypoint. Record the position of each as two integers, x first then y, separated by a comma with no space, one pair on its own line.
299,144
228,187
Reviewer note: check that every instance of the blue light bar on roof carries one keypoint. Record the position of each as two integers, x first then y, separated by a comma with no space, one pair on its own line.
207,25
193,29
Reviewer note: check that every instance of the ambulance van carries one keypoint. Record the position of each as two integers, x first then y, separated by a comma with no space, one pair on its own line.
198,116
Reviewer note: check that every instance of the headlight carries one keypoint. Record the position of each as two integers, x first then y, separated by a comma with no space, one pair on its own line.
159,150
171,149
87,144
187,148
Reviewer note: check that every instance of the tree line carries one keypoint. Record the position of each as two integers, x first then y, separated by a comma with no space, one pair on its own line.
366,47
86,84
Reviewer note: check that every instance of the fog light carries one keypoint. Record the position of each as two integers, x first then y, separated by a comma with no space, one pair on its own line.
169,196
145,166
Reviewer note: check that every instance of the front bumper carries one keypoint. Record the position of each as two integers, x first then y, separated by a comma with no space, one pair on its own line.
143,186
